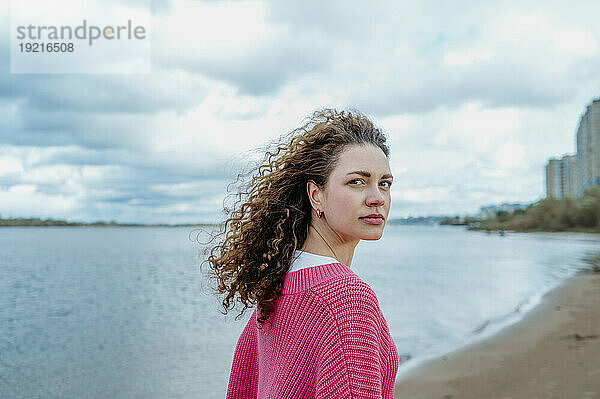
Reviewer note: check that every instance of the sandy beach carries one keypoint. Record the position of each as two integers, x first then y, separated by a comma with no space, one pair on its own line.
553,352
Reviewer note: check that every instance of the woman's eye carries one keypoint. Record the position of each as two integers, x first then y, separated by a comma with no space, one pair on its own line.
361,180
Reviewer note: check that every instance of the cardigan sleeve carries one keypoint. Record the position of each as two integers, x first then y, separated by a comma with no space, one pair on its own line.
353,360
243,379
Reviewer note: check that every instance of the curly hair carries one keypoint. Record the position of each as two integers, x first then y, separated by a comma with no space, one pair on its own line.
272,216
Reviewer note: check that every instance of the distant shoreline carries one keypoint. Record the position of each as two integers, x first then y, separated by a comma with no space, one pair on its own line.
587,230
421,220
427,220
35,222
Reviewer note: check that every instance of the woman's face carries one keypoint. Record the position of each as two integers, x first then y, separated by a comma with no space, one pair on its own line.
358,186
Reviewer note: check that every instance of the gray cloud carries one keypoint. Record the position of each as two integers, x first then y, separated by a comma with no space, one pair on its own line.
127,184
494,86
95,93
260,70
356,19
147,167
64,127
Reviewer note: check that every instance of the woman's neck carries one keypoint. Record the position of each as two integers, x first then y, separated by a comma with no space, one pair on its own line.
322,245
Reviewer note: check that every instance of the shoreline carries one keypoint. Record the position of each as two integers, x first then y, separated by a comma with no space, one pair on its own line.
552,352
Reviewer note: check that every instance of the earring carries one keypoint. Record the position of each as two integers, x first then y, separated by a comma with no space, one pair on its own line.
319,213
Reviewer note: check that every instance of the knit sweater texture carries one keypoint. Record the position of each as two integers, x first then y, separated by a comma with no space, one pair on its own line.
328,339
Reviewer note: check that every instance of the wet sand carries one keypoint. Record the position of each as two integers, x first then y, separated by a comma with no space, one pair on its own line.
553,352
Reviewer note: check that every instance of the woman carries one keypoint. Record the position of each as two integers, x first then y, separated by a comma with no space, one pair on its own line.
289,247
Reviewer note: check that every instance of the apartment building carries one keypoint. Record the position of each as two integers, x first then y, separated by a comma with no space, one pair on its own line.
570,175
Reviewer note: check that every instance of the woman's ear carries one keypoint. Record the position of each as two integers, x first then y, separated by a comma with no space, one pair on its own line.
314,194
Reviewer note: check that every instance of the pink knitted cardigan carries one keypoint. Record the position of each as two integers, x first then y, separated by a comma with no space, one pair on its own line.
328,339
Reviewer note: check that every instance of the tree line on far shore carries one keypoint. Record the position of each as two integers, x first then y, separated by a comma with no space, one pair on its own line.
53,222
50,222
551,214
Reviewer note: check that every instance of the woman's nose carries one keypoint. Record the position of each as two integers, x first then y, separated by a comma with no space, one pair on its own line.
376,199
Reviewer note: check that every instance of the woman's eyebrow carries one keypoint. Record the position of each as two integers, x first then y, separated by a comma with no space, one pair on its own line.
367,174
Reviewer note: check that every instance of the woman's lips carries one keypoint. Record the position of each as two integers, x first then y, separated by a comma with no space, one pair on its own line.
372,220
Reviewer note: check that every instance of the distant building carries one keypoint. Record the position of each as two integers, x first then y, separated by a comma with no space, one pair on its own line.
588,145
562,177
553,178
570,175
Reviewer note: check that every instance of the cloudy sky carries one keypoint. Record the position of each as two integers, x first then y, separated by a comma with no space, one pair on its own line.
473,96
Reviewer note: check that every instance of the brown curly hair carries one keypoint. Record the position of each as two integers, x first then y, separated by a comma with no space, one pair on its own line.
273,220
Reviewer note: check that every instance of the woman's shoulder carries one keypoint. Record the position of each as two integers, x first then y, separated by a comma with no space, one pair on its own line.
353,304
347,291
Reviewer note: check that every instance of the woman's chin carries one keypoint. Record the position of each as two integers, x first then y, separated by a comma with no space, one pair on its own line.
372,235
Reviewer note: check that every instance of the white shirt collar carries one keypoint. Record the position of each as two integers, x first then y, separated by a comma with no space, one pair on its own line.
303,260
